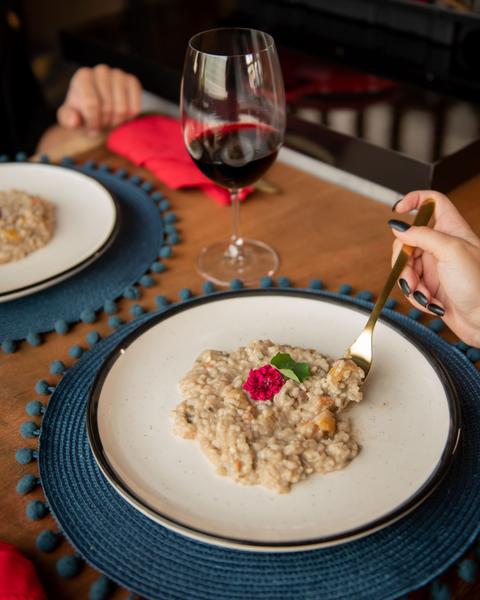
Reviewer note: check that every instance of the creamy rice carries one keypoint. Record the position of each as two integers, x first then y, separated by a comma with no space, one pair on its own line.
277,442
26,224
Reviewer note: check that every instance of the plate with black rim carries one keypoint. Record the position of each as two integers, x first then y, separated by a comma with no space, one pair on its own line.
87,222
408,425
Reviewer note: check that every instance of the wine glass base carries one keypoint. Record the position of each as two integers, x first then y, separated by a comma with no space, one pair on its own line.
256,261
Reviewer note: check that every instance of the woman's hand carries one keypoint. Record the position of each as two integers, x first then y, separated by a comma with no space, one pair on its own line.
100,98
443,275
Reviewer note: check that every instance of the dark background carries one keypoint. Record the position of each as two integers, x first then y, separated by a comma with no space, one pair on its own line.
396,81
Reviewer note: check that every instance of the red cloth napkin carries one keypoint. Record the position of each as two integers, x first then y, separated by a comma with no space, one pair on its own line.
18,580
156,143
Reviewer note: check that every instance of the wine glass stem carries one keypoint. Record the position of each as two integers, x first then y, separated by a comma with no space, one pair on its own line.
235,249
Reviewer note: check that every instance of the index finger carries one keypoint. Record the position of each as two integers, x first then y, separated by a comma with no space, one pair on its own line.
86,99
446,217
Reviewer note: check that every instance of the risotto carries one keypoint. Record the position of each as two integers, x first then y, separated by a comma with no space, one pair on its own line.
274,442
26,224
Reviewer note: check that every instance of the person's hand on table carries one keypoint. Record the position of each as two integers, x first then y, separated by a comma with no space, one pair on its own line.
443,275
100,98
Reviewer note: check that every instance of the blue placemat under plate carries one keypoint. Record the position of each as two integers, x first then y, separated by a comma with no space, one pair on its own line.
135,248
157,563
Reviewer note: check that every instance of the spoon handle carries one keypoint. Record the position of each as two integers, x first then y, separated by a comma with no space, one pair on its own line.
424,215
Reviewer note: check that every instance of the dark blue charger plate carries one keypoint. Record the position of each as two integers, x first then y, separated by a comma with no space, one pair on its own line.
157,563
128,258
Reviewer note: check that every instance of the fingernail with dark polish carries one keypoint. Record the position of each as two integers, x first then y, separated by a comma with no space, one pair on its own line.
398,225
421,298
395,205
435,309
404,287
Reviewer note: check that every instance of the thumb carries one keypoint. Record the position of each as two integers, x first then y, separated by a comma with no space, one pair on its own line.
436,243
68,116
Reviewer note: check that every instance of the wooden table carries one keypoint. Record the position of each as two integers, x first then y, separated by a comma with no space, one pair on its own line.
320,231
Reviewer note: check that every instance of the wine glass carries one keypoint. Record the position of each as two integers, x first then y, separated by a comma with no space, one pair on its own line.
233,120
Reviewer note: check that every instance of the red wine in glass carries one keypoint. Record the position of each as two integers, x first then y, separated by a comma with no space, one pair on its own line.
233,119
235,155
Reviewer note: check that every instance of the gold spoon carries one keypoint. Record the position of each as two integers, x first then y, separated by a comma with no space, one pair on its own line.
360,352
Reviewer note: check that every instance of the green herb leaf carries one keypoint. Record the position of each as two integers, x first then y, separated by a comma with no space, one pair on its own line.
302,370
289,374
288,367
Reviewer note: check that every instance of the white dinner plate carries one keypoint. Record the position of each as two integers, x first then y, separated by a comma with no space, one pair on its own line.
407,425
86,223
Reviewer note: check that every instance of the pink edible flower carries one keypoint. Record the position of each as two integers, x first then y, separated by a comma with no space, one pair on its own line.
263,383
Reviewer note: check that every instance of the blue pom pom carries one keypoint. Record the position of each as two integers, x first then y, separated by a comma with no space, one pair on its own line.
110,307
48,541
345,289
27,484
89,164
147,281
9,347
67,161
366,295
208,287
36,510
391,303
101,589
436,325
34,339
57,367
20,157
25,455
468,570
103,168
92,337
147,186
284,282
165,205
158,267
462,346
316,284
43,387
266,281
136,310
135,179
414,313
473,354
170,218
29,429
75,351
88,316
35,408
114,322
440,591
120,173
161,301
166,252
61,327
170,228
156,196
173,238
236,284
185,294
4,158
69,566
132,293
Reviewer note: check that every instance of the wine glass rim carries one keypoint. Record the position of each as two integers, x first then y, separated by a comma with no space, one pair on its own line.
270,43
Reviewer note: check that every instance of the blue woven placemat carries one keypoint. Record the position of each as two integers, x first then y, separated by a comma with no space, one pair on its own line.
157,563
131,255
